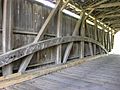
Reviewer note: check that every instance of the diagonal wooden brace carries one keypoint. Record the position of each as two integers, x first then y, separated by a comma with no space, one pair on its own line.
59,33
69,47
78,25
27,60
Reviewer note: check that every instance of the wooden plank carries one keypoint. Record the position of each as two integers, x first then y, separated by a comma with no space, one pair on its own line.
18,53
7,32
110,45
103,36
82,32
1,13
90,44
82,43
17,78
95,34
107,5
59,33
111,41
97,4
78,26
43,29
110,16
69,47
107,40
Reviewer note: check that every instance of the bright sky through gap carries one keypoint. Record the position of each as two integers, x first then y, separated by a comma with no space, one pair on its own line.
116,46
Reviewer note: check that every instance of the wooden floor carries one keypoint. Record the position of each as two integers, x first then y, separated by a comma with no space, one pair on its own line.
100,74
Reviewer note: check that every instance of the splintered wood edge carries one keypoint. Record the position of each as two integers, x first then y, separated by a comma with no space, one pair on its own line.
21,77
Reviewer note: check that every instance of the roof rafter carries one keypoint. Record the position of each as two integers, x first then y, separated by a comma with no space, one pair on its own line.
110,16
108,13
98,3
113,21
107,5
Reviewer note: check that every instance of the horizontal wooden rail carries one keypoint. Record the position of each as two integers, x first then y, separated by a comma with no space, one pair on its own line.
20,77
18,53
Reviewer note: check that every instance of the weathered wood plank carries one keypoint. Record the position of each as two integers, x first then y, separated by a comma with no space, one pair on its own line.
95,34
69,47
17,78
7,32
59,32
18,53
27,60
78,24
90,44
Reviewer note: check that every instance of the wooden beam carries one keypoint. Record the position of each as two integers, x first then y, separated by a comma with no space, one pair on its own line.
107,5
19,31
95,34
7,32
1,8
18,78
103,36
115,25
77,27
21,52
106,40
59,33
43,29
110,16
82,33
108,13
112,22
69,47
90,44
109,42
97,4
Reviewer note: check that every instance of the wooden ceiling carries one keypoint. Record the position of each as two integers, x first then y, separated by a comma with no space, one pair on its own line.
107,11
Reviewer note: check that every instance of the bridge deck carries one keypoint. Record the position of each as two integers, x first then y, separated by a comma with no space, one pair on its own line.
100,74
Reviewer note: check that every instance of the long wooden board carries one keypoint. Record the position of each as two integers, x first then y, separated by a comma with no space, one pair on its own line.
16,54
17,78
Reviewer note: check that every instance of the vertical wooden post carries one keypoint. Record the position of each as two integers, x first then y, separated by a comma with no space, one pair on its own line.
0,13
103,35
77,27
59,31
90,44
82,49
95,31
111,40
7,32
59,34
107,41
104,39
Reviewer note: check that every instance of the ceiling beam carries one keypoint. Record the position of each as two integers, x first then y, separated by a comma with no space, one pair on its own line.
108,13
107,5
112,21
110,16
97,4
115,25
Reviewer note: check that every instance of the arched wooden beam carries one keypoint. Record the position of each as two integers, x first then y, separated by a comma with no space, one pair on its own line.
21,52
